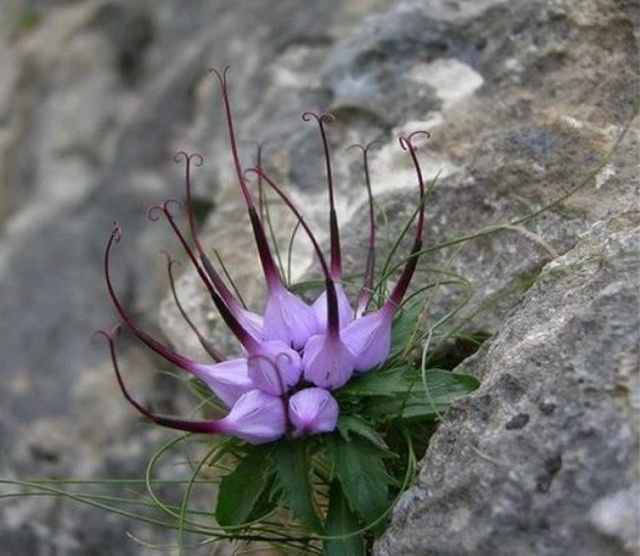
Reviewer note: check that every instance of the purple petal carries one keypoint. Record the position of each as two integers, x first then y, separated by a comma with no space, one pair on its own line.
288,319
256,417
274,367
327,362
251,322
313,411
228,380
345,312
369,339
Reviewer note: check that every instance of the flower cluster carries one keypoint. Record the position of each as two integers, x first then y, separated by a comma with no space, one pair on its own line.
296,354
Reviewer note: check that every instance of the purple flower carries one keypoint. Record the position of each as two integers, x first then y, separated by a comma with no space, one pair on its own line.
228,380
323,344
369,339
313,411
289,319
256,417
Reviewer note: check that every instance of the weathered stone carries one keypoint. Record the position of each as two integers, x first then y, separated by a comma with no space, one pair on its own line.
488,487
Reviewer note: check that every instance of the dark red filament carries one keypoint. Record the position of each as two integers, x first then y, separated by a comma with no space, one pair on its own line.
336,255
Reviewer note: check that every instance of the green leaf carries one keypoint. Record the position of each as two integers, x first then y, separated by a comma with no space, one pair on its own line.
241,489
268,499
360,468
293,470
443,388
341,521
348,424
389,383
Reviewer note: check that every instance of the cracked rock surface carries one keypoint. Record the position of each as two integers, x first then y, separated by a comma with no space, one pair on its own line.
543,458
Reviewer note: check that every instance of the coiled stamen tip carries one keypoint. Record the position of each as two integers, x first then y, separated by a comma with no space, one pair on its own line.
169,203
154,211
365,148
170,260
116,232
109,334
260,144
193,158
222,77
321,118
406,141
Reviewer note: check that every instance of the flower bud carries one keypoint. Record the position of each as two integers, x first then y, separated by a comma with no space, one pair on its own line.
313,411
257,417
227,380
369,339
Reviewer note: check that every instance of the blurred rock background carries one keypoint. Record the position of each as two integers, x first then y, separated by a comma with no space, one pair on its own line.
522,99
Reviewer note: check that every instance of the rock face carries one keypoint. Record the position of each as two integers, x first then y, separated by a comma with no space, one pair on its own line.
543,458
522,99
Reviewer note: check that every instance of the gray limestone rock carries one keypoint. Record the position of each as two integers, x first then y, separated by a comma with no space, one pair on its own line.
543,458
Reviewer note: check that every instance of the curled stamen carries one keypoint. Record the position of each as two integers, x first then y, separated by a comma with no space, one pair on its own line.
162,350
370,335
153,213
190,426
406,141
366,292
214,276
116,232
222,80
405,278
334,238
332,300
222,77
364,148
240,332
323,117
199,161
206,345
110,334
272,276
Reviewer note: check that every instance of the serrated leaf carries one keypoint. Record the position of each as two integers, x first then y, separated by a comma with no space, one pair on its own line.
341,521
268,499
348,424
443,388
241,489
293,470
360,468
